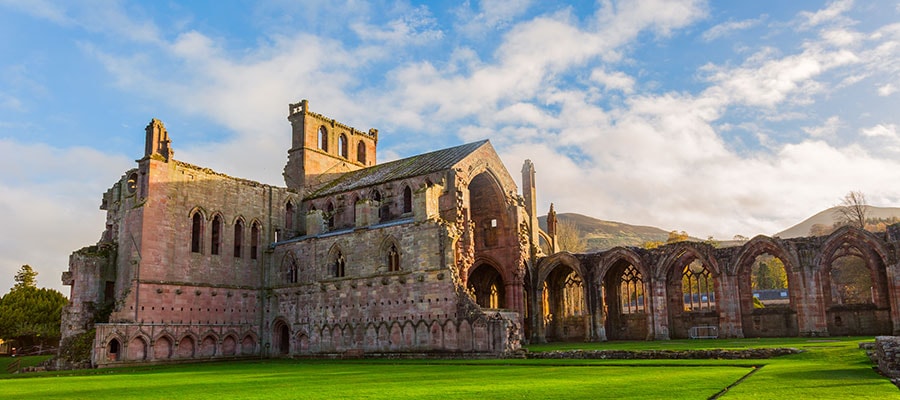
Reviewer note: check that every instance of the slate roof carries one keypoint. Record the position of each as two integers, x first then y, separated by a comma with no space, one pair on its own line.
421,164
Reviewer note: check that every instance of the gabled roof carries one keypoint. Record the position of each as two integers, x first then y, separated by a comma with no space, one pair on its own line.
421,164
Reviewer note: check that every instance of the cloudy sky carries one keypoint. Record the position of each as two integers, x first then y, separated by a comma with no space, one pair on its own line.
718,118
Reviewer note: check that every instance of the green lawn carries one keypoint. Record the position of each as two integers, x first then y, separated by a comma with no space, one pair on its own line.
828,369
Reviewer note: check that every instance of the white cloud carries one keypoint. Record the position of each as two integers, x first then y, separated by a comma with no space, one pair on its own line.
49,199
828,129
726,28
416,26
615,81
886,90
881,130
832,13
492,15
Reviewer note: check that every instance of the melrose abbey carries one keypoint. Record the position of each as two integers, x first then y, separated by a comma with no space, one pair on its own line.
439,254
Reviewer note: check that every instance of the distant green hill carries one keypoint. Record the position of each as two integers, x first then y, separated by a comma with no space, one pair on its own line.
827,217
602,235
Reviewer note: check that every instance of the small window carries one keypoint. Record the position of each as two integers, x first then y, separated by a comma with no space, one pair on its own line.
407,200
361,152
196,232
131,185
393,259
339,265
216,235
238,237
329,214
342,145
323,138
254,241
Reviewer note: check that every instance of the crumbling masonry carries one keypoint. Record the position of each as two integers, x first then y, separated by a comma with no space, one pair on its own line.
432,254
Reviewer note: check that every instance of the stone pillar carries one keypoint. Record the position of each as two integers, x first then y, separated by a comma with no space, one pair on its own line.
812,319
598,317
728,304
538,334
315,222
366,213
659,310
893,282
426,203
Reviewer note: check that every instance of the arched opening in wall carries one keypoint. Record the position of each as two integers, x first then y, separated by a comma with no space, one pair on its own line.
137,349
208,346
289,216
229,346
626,302
162,348
185,347
383,207
113,350
393,258
766,307
238,238
361,152
254,240
323,139
196,232
338,265
342,145
281,338
564,306
407,200
486,284
216,241
691,289
248,345
488,212
856,294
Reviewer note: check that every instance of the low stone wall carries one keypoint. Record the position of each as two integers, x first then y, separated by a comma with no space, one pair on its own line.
887,356
749,354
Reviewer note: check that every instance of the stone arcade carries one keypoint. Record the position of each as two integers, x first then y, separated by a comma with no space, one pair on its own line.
432,254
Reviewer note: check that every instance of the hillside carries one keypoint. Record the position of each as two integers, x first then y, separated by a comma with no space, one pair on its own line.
827,217
603,235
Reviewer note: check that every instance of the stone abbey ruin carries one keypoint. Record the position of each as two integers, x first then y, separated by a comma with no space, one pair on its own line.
438,253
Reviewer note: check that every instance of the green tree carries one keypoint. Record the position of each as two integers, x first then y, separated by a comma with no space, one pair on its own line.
568,238
26,277
29,315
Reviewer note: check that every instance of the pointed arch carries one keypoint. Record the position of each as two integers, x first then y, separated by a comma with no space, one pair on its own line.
343,146
361,152
289,215
390,254
290,268
197,219
336,261
216,234
323,138
255,239
407,200
238,237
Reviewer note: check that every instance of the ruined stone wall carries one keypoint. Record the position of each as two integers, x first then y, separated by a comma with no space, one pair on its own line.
809,310
129,344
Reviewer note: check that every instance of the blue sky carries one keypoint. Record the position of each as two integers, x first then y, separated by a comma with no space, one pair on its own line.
718,118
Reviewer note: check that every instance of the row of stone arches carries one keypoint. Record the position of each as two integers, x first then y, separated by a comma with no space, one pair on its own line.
693,289
164,346
409,336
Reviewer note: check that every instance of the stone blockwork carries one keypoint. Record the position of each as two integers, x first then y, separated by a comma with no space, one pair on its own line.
886,356
352,256
722,303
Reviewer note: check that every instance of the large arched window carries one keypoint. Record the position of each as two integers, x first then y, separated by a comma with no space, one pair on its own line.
196,232
342,145
361,152
254,240
407,200
323,139
631,291
216,241
698,287
238,237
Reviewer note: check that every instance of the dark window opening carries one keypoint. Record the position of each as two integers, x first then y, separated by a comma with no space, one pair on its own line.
238,237
361,152
216,235
339,265
407,200
323,138
196,232
342,145
289,216
254,241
